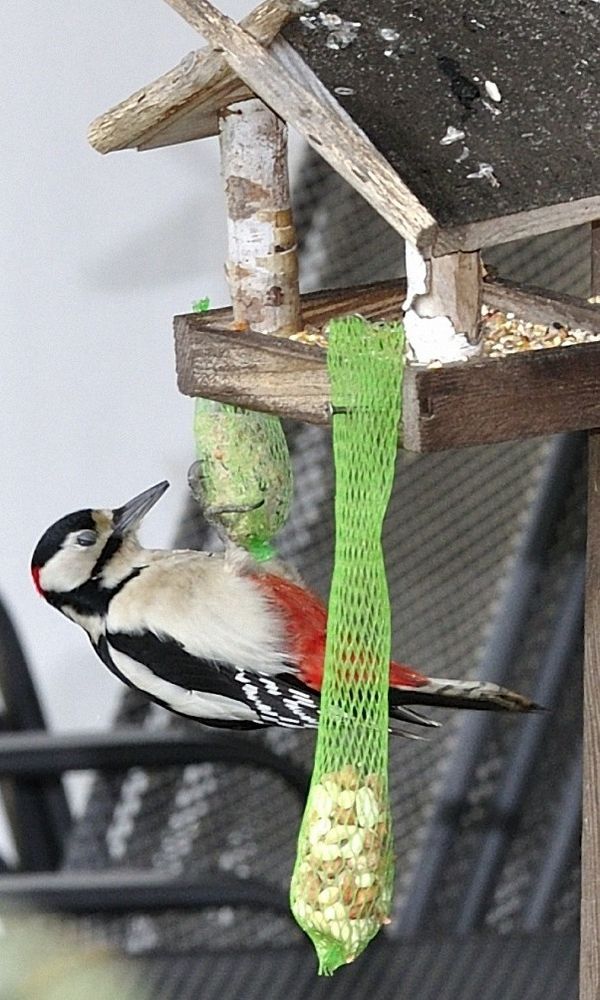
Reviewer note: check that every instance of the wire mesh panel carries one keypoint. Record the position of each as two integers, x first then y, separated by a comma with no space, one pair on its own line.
451,543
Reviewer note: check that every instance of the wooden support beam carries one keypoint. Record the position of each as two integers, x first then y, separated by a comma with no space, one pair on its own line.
477,402
184,103
443,305
262,266
589,978
325,128
590,846
595,264
455,291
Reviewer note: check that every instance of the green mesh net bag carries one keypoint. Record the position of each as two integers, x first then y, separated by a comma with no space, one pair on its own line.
242,478
342,881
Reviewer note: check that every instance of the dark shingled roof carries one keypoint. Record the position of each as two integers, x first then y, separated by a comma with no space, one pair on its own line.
541,138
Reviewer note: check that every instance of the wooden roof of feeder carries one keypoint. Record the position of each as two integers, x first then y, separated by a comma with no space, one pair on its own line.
463,125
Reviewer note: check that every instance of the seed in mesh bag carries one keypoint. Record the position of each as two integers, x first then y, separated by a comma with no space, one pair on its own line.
326,852
367,807
339,885
319,829
340,833
346,798
322,801
329,895
348,777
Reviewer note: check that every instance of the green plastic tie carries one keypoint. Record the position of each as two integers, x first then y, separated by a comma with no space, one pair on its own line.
201,305
261,551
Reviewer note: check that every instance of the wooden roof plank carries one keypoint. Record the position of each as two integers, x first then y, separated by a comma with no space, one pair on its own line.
443,89
182,104
345,148
518,226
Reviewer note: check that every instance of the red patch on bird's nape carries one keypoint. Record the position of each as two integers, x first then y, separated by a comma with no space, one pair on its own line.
35,575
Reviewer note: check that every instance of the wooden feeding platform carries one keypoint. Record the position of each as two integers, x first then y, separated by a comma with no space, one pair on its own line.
463,127
478,401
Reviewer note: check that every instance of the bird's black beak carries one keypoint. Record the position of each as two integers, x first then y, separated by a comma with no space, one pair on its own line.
132,513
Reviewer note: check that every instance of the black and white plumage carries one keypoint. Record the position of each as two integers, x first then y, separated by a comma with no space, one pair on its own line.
184,627
212,637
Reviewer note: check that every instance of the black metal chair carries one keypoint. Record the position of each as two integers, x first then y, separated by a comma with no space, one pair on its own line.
196,906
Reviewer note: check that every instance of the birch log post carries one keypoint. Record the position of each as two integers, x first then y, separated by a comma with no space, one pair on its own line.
262,267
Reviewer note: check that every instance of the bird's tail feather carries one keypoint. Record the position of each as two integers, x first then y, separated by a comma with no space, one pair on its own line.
461,694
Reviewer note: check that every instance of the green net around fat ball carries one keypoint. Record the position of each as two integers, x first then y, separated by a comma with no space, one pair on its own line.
342,881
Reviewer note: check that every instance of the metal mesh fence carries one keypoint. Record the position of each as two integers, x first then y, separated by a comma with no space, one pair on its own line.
451,535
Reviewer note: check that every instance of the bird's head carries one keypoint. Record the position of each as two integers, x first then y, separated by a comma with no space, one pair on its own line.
88,545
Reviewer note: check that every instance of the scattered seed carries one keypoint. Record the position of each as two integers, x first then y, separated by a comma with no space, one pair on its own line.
389,34
330,20
485,172
452,135
493,110
505,333
492,90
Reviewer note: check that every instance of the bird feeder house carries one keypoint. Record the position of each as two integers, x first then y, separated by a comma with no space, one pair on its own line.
463,127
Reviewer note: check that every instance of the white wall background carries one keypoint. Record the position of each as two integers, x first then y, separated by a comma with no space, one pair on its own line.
98,253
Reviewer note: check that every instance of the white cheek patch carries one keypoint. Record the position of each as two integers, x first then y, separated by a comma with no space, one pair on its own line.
67,569
194,703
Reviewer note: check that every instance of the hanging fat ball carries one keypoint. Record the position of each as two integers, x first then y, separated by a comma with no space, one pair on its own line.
242,478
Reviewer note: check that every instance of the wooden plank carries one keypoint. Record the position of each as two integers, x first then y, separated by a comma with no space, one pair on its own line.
590,845
522,395
380,300
517,226
323,126
595,268
479,402
183,104
254,370
540,306
383,300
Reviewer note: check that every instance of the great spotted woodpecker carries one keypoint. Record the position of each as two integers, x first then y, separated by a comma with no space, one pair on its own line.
215,637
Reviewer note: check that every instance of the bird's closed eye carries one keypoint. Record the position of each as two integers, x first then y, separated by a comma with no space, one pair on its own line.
86,538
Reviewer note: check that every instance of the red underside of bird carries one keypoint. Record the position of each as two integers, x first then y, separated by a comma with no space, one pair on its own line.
306,625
